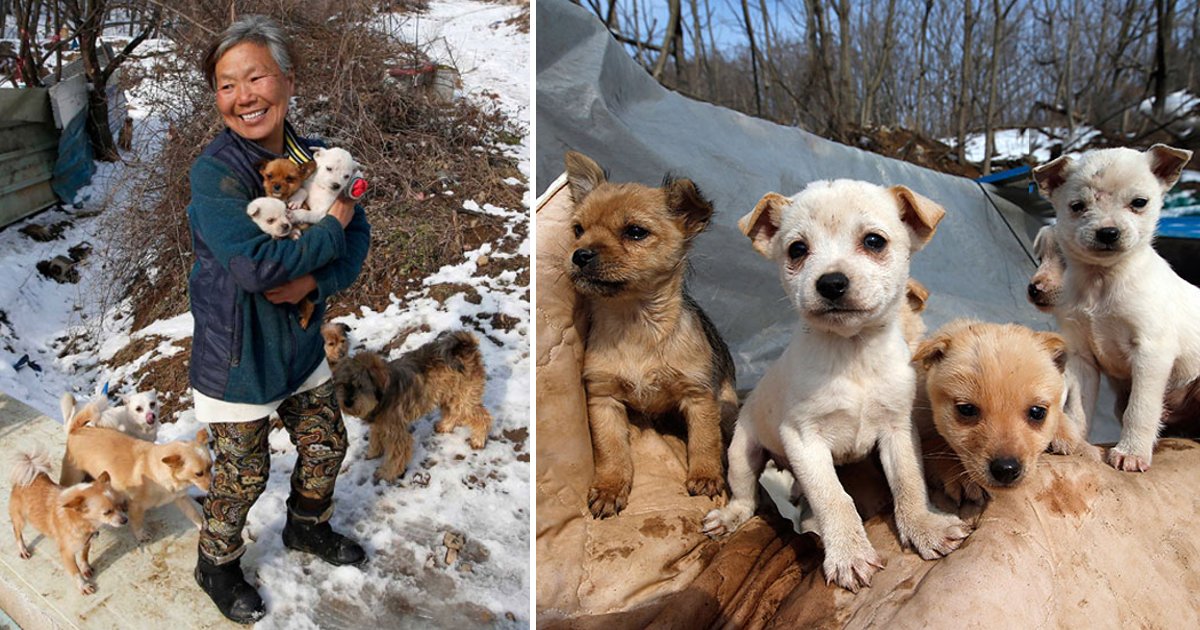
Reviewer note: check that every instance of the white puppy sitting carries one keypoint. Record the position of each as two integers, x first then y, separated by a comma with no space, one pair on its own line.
136,417
845,384
271,216
335,168
1123,310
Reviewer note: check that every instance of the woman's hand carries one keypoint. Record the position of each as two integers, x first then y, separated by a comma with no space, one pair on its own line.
342,210
293,291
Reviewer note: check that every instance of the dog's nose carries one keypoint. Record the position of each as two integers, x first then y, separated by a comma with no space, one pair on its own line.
1005,470
582,257
335,186
832,286
1034,292
1108,235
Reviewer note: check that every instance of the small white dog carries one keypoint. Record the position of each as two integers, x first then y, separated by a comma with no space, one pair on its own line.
136,417
271,215
845,383
1123,310
335,168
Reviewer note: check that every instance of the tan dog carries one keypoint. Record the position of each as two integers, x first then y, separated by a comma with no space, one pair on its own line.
998,393
650,348
446,372
337,343
1045,287
282,177
915,296
70,516
148,474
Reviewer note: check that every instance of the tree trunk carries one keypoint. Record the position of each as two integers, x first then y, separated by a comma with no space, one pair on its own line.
1164,10
964,100
753,56
989,122
868,104
846,88
668,37
919,121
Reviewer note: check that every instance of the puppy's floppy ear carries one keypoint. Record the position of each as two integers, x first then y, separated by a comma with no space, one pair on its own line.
307,169
686,201
916,294
174,461
1167,163
253,209
763,222
932,351
377,369
1057,347
583,175
1044,243
344,328
919,213
261,165
1051,175
202,437
77,503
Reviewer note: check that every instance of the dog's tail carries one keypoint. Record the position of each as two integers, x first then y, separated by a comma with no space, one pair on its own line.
67,405
457,348
90,412
29,465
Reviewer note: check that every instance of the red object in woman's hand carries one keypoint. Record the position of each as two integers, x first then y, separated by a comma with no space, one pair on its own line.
357,188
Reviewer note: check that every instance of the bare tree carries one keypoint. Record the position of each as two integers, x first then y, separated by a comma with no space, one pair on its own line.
999,15
753,55
964,97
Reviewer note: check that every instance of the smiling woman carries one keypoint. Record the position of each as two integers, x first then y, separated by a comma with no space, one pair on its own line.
251,355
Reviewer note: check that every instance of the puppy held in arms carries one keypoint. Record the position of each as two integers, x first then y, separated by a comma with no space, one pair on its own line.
390,395
844,386
998,393
650,348
1123,310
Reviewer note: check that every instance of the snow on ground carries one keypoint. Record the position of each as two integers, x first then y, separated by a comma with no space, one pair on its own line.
1015,144
483,495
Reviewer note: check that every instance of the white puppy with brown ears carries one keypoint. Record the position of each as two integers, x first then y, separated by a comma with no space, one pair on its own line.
1123,309
845,384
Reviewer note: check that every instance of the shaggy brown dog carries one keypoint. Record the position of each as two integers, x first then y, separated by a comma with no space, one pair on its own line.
650,348
446,372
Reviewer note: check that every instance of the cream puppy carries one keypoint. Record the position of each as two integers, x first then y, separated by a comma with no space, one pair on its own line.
1045,287
272,217
136,417
1123,309
335,168
845,384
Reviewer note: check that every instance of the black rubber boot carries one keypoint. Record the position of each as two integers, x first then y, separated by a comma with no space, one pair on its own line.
311,533
229,590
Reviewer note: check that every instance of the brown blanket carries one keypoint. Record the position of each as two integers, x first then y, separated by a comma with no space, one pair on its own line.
1078,544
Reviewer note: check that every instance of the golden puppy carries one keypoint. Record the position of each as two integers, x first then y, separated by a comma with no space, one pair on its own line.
997,393
282,177
337,343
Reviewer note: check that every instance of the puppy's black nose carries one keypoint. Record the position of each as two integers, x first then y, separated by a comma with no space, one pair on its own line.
1005,470
832,286
582,257
335,186
1034,292
1108,235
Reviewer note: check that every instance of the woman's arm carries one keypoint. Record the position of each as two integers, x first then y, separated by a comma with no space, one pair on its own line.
256,261
341,273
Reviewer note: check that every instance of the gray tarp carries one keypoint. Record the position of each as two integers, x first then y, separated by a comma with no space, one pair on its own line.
592,98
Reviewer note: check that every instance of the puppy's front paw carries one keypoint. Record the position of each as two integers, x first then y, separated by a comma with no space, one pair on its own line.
86,571
85,587
726,520
852,568
1123,458
962,488
608,497
25,553
932,534
142,536
704,483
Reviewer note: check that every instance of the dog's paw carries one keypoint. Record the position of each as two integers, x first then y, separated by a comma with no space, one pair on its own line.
86,571
477,442
852,568
1122,458
709,485
607,498
142,536
25,554
445,425
962,488
726,520
932,534
85,587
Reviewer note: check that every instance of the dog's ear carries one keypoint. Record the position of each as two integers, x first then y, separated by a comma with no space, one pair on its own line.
317,153
104,479
202,437
174,461
77,503
253,209
916,294
931,351
1057,347
583,175
686,201
921,214
377,369
261,165
124,398
763,222
307,169
1167,163
1044,243
343,328
1051,175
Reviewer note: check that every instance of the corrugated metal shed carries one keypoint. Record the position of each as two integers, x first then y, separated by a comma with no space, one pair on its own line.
28,152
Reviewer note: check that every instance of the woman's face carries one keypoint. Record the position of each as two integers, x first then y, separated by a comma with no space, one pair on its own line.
253,93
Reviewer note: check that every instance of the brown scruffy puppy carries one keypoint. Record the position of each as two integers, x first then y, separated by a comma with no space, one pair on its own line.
997,393
446,372
337,343
650,348
282,177
70,516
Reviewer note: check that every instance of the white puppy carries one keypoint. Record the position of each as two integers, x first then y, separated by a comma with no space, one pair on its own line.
272,217
845,383
1123,310
136,417
335,168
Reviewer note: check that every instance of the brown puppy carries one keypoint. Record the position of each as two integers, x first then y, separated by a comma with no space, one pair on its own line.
649,347
1046,285
337,345
70,516
283,177
997,393
148,474
446,372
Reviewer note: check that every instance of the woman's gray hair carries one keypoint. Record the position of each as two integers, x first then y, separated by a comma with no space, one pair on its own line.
258,29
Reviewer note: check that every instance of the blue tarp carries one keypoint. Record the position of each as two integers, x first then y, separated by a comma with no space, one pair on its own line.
74,167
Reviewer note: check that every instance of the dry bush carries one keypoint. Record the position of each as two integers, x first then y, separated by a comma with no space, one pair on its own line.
414,150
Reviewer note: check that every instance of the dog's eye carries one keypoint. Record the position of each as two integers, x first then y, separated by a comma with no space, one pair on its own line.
635,232
1037,413
137,409
967,410
200,473
1078,206
874,242
270,221
108,512
578,230
1139,202
797,250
